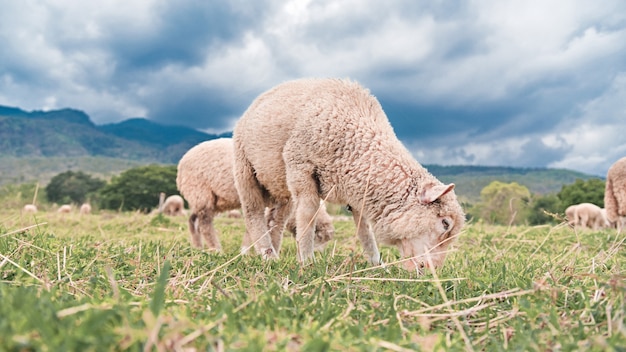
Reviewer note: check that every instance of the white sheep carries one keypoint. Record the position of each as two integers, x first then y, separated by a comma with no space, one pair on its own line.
65,209
329,138
30,208
589,215
615,194
570,215
85,209
205,178
173,205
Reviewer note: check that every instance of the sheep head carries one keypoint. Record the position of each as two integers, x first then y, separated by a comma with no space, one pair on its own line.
425,225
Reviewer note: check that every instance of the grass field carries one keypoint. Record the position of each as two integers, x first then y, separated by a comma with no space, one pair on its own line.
131,282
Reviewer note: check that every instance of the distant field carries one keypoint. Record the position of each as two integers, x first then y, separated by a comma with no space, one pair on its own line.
130,281
30,170
469,180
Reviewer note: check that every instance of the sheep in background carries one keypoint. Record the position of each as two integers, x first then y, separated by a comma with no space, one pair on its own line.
65,209
328,138
205,178
173,205
605,219
590,216
85,209
234,214
570,215
615,194
324,227
30,208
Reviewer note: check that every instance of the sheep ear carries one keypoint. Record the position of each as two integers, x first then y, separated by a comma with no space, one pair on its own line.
431,193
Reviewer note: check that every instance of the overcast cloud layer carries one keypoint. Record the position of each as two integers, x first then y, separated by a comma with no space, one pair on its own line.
513,83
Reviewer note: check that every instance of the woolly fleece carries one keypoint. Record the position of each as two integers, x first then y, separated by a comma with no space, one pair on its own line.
330,139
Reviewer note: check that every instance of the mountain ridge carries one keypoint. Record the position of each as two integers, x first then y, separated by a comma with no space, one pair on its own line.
70,132
36,145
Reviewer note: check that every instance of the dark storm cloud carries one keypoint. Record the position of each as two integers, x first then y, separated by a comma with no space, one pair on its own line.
205,109
491,83
184,33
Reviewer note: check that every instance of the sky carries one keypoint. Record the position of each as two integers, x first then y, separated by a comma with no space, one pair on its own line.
495,82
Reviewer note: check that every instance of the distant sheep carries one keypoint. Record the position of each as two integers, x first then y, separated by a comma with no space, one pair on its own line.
570,215
615,194
590,216
85,209
173,205
328,138
65,209
205,178
30,208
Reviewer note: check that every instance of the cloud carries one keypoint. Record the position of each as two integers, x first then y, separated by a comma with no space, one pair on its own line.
485,82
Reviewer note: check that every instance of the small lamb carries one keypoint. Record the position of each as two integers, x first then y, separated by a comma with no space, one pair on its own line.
315,139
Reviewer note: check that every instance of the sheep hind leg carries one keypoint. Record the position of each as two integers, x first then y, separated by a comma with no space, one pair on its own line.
303,186
196,240
253,203
368,241
277,218
208,231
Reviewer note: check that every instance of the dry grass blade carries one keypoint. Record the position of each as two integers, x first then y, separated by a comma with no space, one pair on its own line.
22,269
457,322
23,229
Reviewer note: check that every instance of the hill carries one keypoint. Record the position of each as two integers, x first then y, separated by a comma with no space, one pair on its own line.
470,180
71,133
35,146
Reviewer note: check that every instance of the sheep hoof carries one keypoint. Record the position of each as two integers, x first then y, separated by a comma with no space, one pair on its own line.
270,253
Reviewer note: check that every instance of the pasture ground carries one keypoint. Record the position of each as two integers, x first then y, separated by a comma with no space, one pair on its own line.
130,281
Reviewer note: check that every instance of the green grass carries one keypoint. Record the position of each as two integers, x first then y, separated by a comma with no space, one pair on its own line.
131,282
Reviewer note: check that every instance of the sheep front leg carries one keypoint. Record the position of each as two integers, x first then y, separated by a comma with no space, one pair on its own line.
306,210
366,237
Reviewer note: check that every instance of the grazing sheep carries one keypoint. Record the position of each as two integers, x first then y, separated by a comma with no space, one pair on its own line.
234,214
615,194
85,209
570,215
605,219
173,205
65,209
589,215
30,208
205,178
324,229
329,138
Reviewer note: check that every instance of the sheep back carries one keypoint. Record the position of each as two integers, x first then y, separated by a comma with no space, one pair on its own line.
205,176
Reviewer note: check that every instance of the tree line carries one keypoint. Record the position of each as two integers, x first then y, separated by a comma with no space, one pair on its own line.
138,189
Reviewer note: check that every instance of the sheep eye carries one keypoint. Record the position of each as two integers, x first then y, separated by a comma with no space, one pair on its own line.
446,224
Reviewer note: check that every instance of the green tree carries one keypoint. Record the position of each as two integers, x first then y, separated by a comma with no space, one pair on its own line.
541,207
139,188
72,187
503,203
589,191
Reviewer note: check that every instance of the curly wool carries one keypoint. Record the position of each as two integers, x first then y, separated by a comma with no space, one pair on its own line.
615,192
330,138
